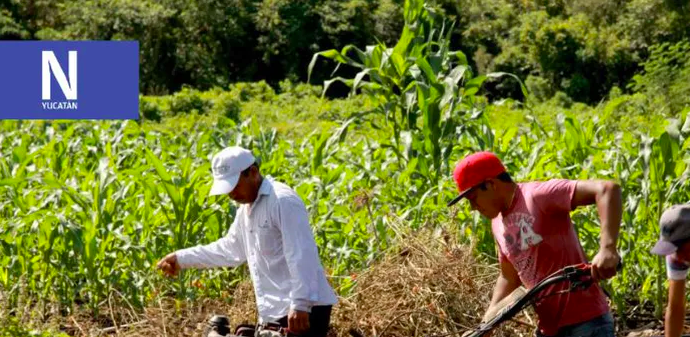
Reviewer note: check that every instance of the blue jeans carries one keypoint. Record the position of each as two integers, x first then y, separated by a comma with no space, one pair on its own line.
601,326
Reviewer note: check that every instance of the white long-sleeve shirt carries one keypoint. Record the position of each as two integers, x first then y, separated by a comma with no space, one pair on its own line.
274,237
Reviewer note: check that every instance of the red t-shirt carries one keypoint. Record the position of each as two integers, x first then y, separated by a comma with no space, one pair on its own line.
537,237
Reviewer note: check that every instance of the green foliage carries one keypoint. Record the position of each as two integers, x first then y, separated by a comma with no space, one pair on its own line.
299,90
287,30
11,327
388,21
575,55
539,88
150,108
144,21
666,77
255,90
582,48
9,28
425,90
187,100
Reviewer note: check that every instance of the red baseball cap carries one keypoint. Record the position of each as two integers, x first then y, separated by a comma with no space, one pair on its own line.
474,170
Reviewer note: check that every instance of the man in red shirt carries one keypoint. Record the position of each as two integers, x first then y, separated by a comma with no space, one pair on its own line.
535,236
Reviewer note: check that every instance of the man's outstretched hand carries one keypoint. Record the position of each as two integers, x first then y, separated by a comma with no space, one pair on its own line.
169,265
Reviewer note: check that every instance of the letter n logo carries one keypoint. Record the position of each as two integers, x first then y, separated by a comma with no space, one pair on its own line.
51,65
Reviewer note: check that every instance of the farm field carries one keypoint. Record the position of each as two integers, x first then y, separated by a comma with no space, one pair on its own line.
87,208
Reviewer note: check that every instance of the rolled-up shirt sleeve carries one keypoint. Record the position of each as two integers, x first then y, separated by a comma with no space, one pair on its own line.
300,251
228,251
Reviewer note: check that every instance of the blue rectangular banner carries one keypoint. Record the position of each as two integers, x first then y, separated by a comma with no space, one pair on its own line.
69,79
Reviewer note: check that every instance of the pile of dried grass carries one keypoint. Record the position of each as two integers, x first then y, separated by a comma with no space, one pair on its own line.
428,286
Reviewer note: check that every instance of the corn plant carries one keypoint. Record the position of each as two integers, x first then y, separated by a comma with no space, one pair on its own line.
426,91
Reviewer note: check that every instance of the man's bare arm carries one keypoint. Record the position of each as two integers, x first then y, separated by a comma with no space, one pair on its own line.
608,199
675,311
508,280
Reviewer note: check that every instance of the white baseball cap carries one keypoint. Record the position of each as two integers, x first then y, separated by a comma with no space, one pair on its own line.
227,166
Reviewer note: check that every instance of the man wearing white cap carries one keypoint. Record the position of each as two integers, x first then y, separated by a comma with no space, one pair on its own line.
271,232
674,244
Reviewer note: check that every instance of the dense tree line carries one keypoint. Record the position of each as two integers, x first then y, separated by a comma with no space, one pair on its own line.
582,48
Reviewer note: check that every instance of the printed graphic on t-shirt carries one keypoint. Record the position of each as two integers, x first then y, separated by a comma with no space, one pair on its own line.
518,237
527,235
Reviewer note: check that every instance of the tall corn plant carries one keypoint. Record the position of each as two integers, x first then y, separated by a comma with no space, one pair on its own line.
426,91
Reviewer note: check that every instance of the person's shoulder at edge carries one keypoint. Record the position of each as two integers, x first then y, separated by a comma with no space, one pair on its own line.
281,189
545,186
284,196
675,269
549,192
676,264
